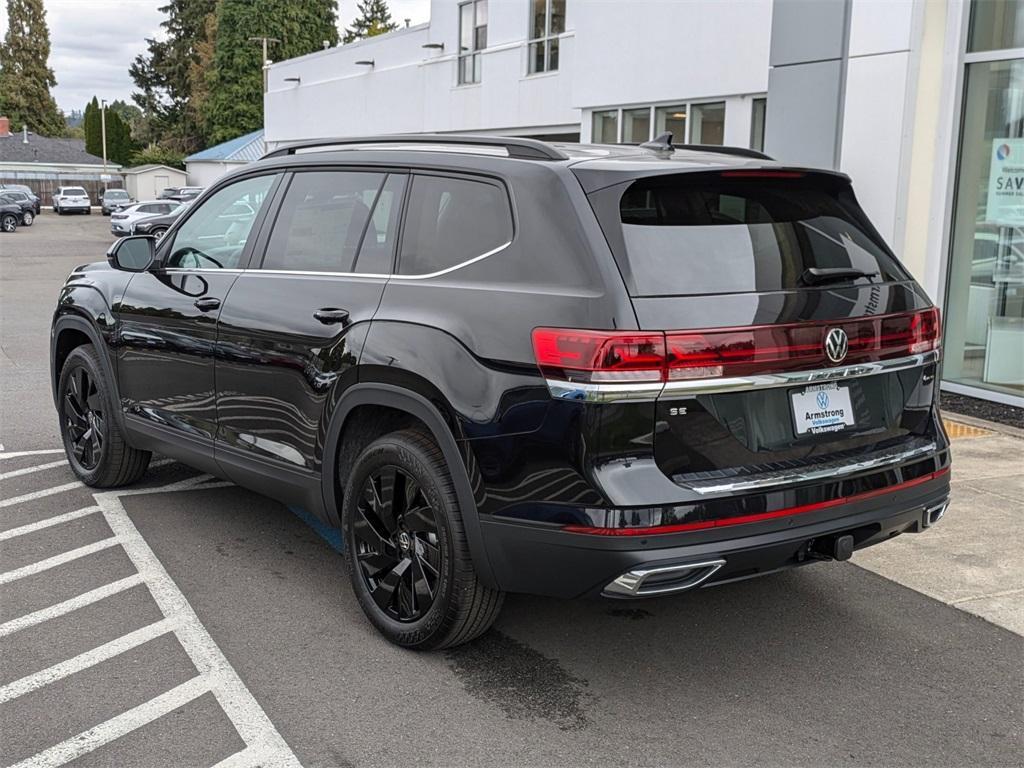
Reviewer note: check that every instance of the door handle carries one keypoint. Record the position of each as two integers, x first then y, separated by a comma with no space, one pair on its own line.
331,316
207,303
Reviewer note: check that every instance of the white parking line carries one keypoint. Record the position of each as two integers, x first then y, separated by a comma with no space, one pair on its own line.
247,758
40,494
116,727
30,470
73,604
19,454
53,562
47,523
85,660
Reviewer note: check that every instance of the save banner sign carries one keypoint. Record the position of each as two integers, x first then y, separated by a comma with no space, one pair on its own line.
1005,204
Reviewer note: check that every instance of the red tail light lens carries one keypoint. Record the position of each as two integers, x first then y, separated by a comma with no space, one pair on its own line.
625,356
600,355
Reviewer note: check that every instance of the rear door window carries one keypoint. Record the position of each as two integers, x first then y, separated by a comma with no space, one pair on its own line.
450,221
692,234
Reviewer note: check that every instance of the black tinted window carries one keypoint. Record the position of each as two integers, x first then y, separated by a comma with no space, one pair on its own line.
699,234
451,221
324,218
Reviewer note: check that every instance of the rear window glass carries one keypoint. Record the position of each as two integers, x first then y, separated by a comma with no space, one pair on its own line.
701,234
74,191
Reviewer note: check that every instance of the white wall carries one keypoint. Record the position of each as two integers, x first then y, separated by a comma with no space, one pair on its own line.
612,54
204,172
148,184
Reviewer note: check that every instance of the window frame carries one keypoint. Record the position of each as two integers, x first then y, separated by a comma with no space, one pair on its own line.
479,178
472,54
257,235
544,39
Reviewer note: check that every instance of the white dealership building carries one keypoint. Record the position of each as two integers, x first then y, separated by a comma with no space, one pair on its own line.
921,102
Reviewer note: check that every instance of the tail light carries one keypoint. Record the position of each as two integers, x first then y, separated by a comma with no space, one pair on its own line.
642,357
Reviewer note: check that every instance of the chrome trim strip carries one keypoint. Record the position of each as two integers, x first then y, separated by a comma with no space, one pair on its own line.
813,473
630,584
608,392
796,378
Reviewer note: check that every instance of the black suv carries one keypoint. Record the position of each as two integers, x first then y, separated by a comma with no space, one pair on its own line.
501,365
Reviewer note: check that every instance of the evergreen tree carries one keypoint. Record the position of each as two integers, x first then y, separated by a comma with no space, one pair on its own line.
163,76
120,146
93,129
25,74
234,105
374,19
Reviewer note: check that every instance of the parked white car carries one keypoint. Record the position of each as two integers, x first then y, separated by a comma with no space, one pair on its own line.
121,221
71,199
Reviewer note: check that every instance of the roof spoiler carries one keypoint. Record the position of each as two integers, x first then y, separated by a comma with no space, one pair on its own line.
663,144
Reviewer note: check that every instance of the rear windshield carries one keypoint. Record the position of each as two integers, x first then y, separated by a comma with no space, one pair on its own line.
74,191
714,233
115,193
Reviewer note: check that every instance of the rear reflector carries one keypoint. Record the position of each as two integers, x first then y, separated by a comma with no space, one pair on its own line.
641,356
756,518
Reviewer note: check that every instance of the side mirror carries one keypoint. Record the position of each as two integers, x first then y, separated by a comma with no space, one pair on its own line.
132,254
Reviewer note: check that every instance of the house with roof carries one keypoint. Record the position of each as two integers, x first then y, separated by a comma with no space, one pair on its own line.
43,164
146,182
206,167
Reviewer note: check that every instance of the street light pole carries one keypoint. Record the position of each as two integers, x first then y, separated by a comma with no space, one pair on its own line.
103,134
265,41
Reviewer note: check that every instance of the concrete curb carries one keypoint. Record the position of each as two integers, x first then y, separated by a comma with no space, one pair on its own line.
1003,429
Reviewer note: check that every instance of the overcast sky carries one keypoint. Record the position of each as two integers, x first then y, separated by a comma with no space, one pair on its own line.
93,41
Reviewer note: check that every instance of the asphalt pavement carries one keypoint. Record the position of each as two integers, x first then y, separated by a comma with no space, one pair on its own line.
188,622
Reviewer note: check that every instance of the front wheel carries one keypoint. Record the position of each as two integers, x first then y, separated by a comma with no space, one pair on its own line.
27,218
407,552
158,232
8,222
95,447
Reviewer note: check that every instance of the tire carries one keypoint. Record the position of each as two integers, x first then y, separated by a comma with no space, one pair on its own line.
9,222
433,540
158,232
95,447
59,211
27,218
88,211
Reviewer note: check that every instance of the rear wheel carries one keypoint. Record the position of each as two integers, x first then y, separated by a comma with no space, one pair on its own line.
8,222
93,442
408,557
27,218
158,232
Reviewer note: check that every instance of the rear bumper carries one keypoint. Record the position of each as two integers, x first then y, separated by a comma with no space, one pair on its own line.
545,560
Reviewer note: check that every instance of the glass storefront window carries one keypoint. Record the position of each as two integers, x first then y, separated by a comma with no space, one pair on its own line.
636,125
708,123
606,127
996,24
673,120
759,108
984,337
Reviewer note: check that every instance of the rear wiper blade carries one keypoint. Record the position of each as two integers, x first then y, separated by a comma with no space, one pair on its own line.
819,275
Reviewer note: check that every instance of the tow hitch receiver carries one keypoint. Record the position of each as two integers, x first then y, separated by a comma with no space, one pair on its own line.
831,548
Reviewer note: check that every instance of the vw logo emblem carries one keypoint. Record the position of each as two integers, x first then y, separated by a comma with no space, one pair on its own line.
823,400
836,345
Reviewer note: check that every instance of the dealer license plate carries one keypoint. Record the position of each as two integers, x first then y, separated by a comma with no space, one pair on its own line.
822,408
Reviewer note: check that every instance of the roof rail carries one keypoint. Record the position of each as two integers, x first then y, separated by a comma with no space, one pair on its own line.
522,149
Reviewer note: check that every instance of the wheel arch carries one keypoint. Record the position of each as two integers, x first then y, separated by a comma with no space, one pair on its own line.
418,407
69,332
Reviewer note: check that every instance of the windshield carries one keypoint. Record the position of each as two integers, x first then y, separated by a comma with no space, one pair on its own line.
744,232
119,194
74,191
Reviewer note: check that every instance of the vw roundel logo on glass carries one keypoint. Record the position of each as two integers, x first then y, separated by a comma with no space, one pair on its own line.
836,345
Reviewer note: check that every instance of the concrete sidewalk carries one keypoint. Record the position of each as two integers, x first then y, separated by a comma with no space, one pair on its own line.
974,558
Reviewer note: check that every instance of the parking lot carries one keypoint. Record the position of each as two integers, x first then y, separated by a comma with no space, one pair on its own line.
187,622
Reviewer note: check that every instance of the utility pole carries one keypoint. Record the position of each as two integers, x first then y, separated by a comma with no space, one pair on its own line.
103,134
266,61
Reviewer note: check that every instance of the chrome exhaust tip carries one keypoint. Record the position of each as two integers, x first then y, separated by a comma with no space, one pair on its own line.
933,514
662,580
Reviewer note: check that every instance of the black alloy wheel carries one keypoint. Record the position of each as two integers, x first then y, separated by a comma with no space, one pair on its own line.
84,418
396,544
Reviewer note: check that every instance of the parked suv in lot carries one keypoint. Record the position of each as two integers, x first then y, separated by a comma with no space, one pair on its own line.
502,366
70,199
26,206
114,200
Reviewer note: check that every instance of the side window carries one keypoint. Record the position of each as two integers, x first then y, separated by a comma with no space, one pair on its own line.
214,235
325,216
451,221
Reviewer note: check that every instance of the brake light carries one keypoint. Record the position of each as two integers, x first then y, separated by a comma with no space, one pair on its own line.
756,174
639,356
